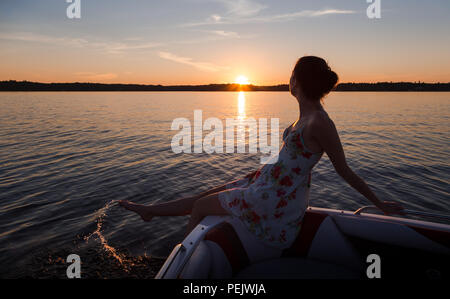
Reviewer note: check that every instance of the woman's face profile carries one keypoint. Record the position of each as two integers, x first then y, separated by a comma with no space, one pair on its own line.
292,87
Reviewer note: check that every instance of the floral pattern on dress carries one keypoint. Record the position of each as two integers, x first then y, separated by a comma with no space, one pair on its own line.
272,200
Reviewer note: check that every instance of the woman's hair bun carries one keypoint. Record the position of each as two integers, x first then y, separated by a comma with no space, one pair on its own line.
332,80
314,76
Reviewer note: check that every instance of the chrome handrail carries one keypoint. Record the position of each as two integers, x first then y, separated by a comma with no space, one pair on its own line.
169,261
364,208
407,212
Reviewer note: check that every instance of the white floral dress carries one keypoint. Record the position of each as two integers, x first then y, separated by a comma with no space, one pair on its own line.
271,202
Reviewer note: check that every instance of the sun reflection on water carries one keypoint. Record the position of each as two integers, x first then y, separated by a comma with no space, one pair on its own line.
241,105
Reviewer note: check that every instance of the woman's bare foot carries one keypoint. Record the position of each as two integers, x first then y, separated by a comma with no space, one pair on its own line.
141,210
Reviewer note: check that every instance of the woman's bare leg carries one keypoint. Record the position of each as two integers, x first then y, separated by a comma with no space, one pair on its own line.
207,205
177,207
213,190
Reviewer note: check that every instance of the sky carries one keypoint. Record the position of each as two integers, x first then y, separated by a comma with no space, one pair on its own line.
215,41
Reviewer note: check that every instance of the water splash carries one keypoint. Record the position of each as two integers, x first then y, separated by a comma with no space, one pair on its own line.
124,261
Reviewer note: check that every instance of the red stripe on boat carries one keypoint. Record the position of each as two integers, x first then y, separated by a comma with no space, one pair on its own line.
309,226
226,237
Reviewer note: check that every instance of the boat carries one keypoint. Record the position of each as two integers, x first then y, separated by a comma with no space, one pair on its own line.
331,244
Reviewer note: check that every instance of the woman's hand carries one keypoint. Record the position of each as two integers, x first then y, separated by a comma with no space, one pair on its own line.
391,207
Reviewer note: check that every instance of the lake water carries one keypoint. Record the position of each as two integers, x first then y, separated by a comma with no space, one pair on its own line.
65,155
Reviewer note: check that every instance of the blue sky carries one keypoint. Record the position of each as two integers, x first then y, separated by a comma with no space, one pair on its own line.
213,41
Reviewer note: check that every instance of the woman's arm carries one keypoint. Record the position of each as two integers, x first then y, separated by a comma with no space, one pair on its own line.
327,136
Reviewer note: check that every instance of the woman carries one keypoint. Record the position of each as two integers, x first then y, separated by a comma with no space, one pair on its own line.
271,202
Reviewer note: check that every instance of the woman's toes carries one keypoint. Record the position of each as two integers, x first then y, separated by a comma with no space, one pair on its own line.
127,205
139,209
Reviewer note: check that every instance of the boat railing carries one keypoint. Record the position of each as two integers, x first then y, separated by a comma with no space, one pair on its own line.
428,215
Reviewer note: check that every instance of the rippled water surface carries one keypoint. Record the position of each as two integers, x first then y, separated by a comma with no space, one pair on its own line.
64,156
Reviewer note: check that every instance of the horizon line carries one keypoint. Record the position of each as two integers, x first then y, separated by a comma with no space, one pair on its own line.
13,85
207,84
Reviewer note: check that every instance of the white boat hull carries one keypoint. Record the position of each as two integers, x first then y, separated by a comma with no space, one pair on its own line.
330,244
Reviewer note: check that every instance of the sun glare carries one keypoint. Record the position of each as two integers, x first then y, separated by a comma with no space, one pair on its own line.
241,105
242,80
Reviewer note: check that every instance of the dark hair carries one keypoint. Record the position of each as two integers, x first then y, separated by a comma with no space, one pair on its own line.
314,77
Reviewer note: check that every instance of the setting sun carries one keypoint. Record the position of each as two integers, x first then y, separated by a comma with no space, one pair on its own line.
242,80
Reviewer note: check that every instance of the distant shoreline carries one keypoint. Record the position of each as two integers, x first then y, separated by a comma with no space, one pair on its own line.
13,85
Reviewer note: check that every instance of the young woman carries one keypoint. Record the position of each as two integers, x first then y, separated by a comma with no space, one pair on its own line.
271,202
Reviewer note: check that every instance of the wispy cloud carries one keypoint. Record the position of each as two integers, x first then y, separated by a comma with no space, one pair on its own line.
268,18
242,7
232,9
223,33
204,66
121,47
299,14
219,34
213,36
108,47
90,76
214,18
39,38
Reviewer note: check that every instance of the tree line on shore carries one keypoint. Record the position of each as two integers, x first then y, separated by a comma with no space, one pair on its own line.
13,85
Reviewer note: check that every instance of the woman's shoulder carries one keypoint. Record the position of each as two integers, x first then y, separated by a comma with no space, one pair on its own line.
321,118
